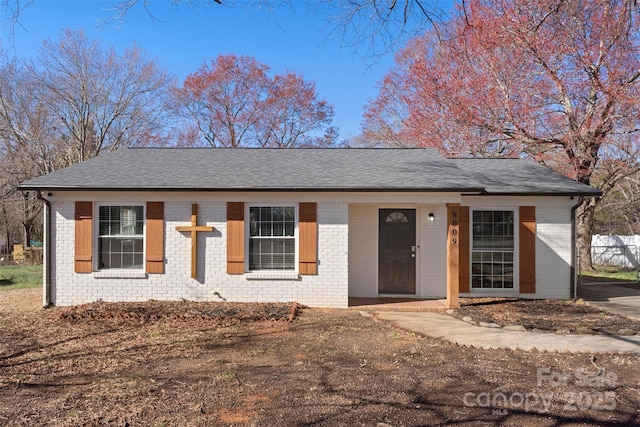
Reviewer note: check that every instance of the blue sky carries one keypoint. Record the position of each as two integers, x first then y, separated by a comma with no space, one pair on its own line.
182,38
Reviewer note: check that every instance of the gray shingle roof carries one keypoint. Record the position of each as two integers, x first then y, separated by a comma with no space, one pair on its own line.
518,176
349,169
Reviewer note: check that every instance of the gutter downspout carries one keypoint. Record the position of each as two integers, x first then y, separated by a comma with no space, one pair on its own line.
47,250
574,274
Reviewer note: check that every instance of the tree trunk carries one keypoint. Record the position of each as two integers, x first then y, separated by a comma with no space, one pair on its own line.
584,230
26,233
7,229
27,218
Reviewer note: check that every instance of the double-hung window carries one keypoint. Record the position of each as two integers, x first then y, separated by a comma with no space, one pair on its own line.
121,237
492,249
272,238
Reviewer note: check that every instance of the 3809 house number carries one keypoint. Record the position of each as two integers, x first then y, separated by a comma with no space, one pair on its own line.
454,227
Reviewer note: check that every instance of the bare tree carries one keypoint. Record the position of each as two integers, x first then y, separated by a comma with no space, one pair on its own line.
27,135
74,102
369,27
10,12
373,28
619,212
101,100
27,127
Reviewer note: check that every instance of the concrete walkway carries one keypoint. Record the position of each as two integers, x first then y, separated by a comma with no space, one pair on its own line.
444,326
617,299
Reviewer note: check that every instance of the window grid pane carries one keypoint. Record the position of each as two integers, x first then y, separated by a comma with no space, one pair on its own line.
121,240
492,253
271,238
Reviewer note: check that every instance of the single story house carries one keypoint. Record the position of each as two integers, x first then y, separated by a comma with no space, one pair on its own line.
317,226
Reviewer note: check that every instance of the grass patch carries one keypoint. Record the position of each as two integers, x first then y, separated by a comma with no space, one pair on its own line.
20,277
614,273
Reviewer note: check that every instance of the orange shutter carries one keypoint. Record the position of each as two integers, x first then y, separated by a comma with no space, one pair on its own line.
235,238
155,238
308,229
527,249
463,217
83,261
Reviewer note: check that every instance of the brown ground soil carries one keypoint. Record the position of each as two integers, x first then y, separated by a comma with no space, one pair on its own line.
545,315
235,364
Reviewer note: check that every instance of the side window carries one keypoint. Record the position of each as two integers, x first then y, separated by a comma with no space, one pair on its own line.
121,237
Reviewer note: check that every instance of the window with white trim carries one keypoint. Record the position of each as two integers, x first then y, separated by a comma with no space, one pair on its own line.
272,238
120,237
492,249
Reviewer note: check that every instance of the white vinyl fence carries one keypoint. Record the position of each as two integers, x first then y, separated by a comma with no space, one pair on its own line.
615,251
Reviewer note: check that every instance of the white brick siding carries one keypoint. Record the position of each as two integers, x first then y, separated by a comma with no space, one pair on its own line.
327,289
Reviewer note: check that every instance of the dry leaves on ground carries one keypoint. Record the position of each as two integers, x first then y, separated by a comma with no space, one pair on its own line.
81,367
545,315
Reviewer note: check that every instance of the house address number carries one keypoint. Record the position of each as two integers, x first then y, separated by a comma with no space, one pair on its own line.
454,227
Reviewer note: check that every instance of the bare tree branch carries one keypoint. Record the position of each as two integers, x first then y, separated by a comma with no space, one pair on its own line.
373,28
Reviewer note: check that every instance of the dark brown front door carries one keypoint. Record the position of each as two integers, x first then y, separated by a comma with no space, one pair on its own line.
397,251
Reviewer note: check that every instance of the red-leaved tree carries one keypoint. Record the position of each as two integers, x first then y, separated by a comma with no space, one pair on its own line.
233,102
558,81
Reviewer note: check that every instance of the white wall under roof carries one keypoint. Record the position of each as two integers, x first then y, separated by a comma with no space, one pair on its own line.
553,243
430,255
553,247
347,249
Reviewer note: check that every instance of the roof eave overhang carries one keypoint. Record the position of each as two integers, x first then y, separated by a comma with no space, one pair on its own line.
463,191
259,189
541,193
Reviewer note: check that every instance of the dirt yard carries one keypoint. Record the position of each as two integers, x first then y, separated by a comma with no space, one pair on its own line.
159,364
